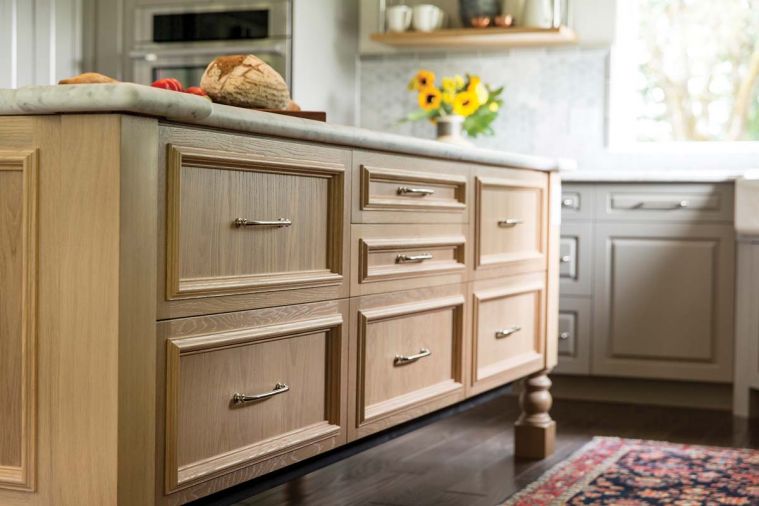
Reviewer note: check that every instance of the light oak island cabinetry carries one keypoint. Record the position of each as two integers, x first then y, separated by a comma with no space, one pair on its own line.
190,303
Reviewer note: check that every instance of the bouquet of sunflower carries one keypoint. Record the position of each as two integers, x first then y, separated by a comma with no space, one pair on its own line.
468,97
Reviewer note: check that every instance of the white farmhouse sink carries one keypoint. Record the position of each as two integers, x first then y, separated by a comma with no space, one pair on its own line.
747,203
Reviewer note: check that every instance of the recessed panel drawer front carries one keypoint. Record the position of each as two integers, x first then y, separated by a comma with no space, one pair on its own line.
239,396
397,257
574,335
666,202
577,201
568,258
409,355
509,330
406,189
242,224
511,230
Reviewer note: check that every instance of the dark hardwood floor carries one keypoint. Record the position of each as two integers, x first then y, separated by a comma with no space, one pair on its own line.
463,456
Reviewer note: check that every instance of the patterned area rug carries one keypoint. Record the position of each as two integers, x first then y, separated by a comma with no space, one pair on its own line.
628,472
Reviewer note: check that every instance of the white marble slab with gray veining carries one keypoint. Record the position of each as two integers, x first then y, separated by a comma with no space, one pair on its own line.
186,108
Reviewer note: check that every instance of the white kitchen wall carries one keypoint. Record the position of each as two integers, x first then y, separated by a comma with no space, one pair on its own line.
40,41
325,46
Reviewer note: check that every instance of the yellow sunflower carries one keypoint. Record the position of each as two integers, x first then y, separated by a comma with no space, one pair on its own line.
423,79
429,98
448,97
465,103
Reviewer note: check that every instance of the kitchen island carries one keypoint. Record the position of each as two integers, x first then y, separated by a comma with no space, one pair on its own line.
195,295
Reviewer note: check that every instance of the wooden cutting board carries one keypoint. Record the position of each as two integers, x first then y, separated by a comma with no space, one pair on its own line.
313,115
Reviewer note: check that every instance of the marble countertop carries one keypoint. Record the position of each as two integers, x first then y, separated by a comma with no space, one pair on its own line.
190,109
652,176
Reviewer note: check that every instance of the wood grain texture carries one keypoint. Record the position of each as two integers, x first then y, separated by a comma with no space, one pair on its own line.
479,38
138,231
377,178
375,267
250,290
18,318
210,358
553,231
518,301
383,393
208,255
510,195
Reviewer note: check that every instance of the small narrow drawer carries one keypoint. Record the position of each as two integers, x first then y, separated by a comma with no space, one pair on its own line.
246,388
240,223
398,257
568,258
576,258
577,201
574,335
409,355
511,223
667,202
509,329
401,189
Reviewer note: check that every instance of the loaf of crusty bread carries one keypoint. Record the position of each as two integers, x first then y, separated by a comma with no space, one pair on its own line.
245,81
88,78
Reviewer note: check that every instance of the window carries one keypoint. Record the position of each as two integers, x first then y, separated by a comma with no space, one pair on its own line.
685,70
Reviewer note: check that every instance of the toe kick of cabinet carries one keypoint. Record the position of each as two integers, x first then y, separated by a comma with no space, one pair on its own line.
407,356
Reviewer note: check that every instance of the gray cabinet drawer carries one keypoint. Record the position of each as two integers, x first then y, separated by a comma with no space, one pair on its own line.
575,258
577,201
574,336
665,202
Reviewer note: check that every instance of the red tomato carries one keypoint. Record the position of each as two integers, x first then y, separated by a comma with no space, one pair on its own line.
168,83
196,90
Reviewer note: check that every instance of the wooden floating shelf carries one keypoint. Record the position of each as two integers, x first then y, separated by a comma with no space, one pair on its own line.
480,37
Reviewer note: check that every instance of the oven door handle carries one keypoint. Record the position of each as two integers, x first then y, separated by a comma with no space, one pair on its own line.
155,55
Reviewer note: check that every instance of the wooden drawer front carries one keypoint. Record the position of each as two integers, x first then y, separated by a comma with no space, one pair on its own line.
209,254
295,367
666,202
574,336
509,331
399,257
408,354
405,189
511,228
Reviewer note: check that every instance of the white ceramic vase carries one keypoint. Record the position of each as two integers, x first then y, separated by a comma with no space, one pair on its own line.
450,129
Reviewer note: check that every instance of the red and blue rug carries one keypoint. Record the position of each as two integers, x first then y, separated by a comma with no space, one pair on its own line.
628,472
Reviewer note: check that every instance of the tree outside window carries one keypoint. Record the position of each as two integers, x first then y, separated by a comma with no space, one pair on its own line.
692,70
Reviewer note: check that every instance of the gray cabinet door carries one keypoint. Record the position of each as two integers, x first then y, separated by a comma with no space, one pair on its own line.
663,301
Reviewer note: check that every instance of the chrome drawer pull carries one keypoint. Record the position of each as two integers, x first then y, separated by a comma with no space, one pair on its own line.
568,203
407,359
406,190
565,259
279,222
564,336
509,223
242,399
500,334
413,259
671,207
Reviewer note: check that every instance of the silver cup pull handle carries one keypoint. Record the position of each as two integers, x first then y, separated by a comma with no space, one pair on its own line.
407,190
407,359
500,334
509,223
242,399
413,259
279,222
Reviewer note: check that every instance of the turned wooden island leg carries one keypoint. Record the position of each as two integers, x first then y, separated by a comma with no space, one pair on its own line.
535,431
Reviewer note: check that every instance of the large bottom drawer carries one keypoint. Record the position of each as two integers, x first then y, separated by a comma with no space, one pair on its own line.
408,352
252,387
508,339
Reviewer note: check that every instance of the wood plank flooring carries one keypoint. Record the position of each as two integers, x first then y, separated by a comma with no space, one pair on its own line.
463,456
